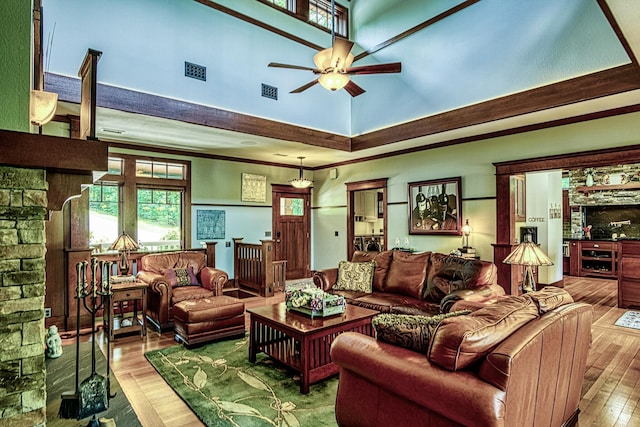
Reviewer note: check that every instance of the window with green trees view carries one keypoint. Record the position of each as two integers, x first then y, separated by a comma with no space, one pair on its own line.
159,218
146,198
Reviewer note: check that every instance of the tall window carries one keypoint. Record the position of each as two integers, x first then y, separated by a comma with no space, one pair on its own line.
104,213
159,219
147,198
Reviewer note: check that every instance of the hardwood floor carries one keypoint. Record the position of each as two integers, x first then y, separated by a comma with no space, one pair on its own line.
611,389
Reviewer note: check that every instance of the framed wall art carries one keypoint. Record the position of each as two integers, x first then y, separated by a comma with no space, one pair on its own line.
435,206
210,224
254,188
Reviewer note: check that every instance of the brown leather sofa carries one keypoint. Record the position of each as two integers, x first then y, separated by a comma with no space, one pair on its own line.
162,296
417,283
518,362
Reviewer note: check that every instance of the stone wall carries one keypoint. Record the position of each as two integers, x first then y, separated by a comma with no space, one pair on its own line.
23,203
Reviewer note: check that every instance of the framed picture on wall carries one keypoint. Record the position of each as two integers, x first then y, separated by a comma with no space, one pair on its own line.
254,188
435,206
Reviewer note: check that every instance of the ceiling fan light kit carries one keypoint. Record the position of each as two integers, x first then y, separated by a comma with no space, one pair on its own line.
334,66
333,81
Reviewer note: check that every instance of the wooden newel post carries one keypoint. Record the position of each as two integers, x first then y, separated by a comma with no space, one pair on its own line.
211,254
236,260
267,262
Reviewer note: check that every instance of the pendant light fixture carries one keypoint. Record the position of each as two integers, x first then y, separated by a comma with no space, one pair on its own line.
301,181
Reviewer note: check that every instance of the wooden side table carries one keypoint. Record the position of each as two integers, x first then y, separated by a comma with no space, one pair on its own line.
133,292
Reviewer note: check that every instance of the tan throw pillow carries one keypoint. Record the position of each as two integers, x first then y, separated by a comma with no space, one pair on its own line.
407,273
355,276
549,298
412,332
460,341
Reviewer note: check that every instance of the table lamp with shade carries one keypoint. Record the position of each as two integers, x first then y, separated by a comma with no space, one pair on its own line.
124,244
466,231
528,254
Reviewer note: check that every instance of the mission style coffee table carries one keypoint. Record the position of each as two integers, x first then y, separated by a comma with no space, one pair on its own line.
300,342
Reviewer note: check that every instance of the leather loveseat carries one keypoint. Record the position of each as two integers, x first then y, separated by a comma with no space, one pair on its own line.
518,362
416,283
159,272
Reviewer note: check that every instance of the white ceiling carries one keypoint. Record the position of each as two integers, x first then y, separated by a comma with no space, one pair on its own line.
426,100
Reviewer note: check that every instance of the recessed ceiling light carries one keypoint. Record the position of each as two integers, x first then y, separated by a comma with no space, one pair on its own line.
248,143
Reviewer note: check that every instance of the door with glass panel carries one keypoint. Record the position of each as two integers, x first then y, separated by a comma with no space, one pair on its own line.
291,229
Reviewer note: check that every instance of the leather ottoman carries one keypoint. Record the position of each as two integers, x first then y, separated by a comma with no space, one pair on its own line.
207,319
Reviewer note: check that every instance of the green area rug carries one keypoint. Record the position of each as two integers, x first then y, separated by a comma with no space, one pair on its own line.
223,388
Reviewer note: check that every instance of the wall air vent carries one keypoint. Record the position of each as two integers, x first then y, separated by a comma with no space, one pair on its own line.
269,92
195,71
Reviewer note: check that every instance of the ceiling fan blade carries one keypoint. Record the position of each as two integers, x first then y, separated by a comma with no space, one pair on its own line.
293,67
353,89
341,49
393,67
305,87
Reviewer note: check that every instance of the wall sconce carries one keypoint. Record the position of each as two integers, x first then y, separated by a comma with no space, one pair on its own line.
42,106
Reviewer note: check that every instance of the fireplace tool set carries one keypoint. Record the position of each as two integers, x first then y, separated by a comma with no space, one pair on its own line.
92,395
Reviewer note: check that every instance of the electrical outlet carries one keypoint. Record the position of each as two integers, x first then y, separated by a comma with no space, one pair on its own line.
336,234
267,234
227,244
47,312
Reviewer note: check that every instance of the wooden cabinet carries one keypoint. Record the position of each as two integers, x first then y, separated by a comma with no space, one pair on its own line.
598,258
366,205
574,258
629,274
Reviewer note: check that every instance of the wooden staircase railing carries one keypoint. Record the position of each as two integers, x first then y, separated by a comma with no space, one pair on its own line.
255,270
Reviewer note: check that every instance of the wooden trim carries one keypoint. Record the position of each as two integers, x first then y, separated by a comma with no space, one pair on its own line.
603,83
53,153
616,29
257,23
68,89
415,29
371,184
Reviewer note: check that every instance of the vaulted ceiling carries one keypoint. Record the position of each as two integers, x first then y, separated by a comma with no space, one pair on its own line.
469,69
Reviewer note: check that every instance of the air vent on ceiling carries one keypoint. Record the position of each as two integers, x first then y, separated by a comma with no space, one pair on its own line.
195,71
269,92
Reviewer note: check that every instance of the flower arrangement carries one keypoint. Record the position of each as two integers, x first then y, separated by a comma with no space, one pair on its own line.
314,301
589,171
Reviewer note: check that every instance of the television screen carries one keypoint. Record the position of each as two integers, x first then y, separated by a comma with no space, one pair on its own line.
606,221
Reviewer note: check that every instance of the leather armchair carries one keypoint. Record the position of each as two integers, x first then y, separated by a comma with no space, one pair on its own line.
161,296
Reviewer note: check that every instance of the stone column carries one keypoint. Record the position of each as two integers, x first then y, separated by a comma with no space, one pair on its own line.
23,202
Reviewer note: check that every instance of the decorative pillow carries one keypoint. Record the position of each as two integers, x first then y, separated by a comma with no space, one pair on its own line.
407,273
180,277
382,259
355,276
458,342
408,331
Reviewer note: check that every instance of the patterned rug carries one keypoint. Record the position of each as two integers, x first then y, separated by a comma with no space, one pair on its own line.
223,388
630,319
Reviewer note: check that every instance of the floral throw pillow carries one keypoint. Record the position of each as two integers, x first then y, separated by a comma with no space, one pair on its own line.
181,277
355,276
408,331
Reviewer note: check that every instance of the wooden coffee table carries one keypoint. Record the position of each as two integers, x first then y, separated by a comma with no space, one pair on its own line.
300,342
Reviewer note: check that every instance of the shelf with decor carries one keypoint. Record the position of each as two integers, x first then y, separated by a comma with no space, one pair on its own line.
628,186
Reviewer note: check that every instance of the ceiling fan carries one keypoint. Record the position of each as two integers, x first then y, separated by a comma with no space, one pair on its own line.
334,68
334,65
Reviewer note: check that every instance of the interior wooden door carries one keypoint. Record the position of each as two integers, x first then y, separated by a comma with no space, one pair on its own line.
292,229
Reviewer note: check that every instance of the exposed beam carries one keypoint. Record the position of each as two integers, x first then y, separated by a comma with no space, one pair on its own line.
604,83
68,89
